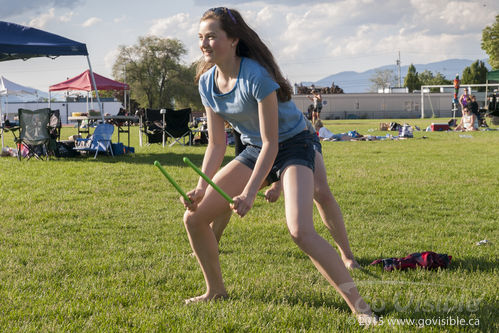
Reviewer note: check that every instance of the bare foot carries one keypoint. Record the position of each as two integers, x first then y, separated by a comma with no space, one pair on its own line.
205,298
350,264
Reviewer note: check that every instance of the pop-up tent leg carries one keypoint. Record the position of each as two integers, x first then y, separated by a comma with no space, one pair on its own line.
96,90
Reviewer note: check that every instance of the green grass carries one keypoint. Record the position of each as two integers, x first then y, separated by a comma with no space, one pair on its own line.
99,245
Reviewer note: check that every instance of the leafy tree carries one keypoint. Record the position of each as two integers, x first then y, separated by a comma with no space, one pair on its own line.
490,43
155,74
439,78
427,78
475,74
411,80
382,79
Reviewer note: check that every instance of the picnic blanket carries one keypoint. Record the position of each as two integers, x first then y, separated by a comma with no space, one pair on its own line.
428,260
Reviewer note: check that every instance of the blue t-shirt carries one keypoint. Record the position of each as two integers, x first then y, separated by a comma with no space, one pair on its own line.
240,105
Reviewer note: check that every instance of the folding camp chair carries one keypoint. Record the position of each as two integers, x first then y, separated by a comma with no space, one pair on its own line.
177,126
55,125
152,125
33,131
99,141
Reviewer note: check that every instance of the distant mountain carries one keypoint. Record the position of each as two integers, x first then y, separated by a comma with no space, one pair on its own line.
354,82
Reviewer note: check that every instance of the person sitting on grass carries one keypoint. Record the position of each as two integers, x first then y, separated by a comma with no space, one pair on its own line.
469,121
326,135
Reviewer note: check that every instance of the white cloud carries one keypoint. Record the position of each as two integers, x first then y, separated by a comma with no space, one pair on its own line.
182,27
16,7
110,58
120,19
179,24
91,21
41,20
66,17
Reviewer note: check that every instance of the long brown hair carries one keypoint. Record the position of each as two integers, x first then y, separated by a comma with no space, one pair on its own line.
250,45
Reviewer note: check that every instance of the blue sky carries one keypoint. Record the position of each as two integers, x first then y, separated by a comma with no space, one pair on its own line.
310,39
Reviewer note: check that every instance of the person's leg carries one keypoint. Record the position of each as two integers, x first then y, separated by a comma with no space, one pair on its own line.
298,188
220,223
232,179
331,213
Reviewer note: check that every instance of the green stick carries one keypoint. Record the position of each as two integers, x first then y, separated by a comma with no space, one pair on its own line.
208,180
172,181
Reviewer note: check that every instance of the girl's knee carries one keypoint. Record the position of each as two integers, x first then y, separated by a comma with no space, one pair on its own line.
191,220
302,237
323,195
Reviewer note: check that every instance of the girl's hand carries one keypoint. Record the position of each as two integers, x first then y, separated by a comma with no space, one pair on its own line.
195,196
242,204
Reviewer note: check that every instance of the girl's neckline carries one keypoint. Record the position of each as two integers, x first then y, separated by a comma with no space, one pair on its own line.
215,86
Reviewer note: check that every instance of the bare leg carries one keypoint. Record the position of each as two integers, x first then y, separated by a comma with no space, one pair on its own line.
219,224
331,213
326,204
328,209
298,190
232,179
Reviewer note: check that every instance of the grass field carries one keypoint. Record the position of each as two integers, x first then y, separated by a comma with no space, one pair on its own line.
99,245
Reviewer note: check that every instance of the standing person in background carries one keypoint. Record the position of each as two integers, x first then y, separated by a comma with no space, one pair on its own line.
316,98
474,106
463,100
240,82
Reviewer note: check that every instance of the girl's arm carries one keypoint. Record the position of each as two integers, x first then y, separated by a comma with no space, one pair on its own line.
269,131
212,159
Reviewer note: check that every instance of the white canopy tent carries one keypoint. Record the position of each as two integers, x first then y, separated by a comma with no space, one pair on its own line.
7,88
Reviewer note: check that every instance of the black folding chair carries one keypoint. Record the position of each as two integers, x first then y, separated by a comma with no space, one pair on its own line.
177,126
34,136
55,125
152,125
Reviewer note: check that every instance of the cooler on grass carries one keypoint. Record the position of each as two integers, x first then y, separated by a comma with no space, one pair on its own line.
439,127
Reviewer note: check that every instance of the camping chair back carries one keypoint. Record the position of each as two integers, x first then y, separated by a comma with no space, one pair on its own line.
101,139
152,115
177,124
34,126
55,124
153,125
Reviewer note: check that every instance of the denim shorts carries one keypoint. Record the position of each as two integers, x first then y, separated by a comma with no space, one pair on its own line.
298,150
317,143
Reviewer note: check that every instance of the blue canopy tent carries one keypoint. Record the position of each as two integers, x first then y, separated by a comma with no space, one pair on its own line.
21,42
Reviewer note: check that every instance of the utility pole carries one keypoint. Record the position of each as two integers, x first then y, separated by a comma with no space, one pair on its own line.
124,90
398,71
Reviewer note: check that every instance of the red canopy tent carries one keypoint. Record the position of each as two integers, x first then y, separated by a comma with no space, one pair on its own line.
84,82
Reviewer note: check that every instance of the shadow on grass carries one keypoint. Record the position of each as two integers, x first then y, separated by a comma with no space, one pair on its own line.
166,159
473,264
295,298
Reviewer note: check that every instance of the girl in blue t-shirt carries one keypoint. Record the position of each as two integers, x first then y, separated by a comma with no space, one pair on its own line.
240,82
